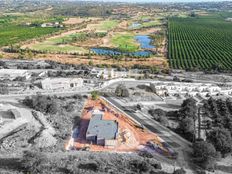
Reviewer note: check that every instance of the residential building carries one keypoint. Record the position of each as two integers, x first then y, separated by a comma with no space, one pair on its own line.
102,132
61,83
109,73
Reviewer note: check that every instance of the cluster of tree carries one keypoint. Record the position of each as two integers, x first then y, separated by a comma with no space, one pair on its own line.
122,91
4,89
37,162
150,88
45,104
67,74
205,154
220,128
83,9
160,116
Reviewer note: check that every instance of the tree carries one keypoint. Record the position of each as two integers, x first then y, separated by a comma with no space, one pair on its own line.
187,125
156,113
90,63
31,161
179,171
205,154
188,109
221,139
42,103
4,89
121,91
94,95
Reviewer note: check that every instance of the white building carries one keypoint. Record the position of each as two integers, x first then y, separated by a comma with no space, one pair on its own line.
109,73
13,73
183,88
61,83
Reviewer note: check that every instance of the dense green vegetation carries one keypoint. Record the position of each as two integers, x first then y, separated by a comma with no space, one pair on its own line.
13,30
202,42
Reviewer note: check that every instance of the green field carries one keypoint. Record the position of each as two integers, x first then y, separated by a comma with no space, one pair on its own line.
203,42
107,25
151,23
61,44
125,42
13,31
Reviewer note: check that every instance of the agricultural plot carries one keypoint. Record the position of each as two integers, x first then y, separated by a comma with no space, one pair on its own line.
11,34
202,42
14,30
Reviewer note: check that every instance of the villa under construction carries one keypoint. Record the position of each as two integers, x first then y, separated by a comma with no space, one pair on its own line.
102,132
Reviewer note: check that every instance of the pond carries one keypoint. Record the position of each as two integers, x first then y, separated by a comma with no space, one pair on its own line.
134,25
145,41
105,51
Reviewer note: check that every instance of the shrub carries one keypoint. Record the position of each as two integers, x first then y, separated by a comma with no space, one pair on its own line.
89,166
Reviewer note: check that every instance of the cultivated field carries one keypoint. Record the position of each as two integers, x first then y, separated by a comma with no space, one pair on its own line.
14,30
202,42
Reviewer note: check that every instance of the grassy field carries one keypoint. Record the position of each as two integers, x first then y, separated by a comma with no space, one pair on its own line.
13,31
61,44
151,23
106,25
125,42
203,42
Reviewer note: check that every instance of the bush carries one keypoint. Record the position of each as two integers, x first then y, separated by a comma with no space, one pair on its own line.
139,166
122,91
95,95
221,139
89,166
45,104
179,171
205,154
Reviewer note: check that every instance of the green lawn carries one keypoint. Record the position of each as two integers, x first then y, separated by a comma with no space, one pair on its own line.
151,23
68,39
58,48
107,25
125,42
61,44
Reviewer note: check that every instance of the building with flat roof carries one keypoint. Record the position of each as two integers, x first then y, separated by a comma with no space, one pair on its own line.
61,83
102,132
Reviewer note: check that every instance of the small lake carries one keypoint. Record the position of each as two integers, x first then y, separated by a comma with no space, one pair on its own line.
105,51
145,41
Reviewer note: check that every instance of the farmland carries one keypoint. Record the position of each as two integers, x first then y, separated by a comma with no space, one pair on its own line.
11,33
13,29
202,42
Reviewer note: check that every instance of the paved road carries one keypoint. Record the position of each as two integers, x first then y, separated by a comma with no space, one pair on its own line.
179,144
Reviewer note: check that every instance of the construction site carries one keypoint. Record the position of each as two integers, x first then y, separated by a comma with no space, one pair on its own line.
130,136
